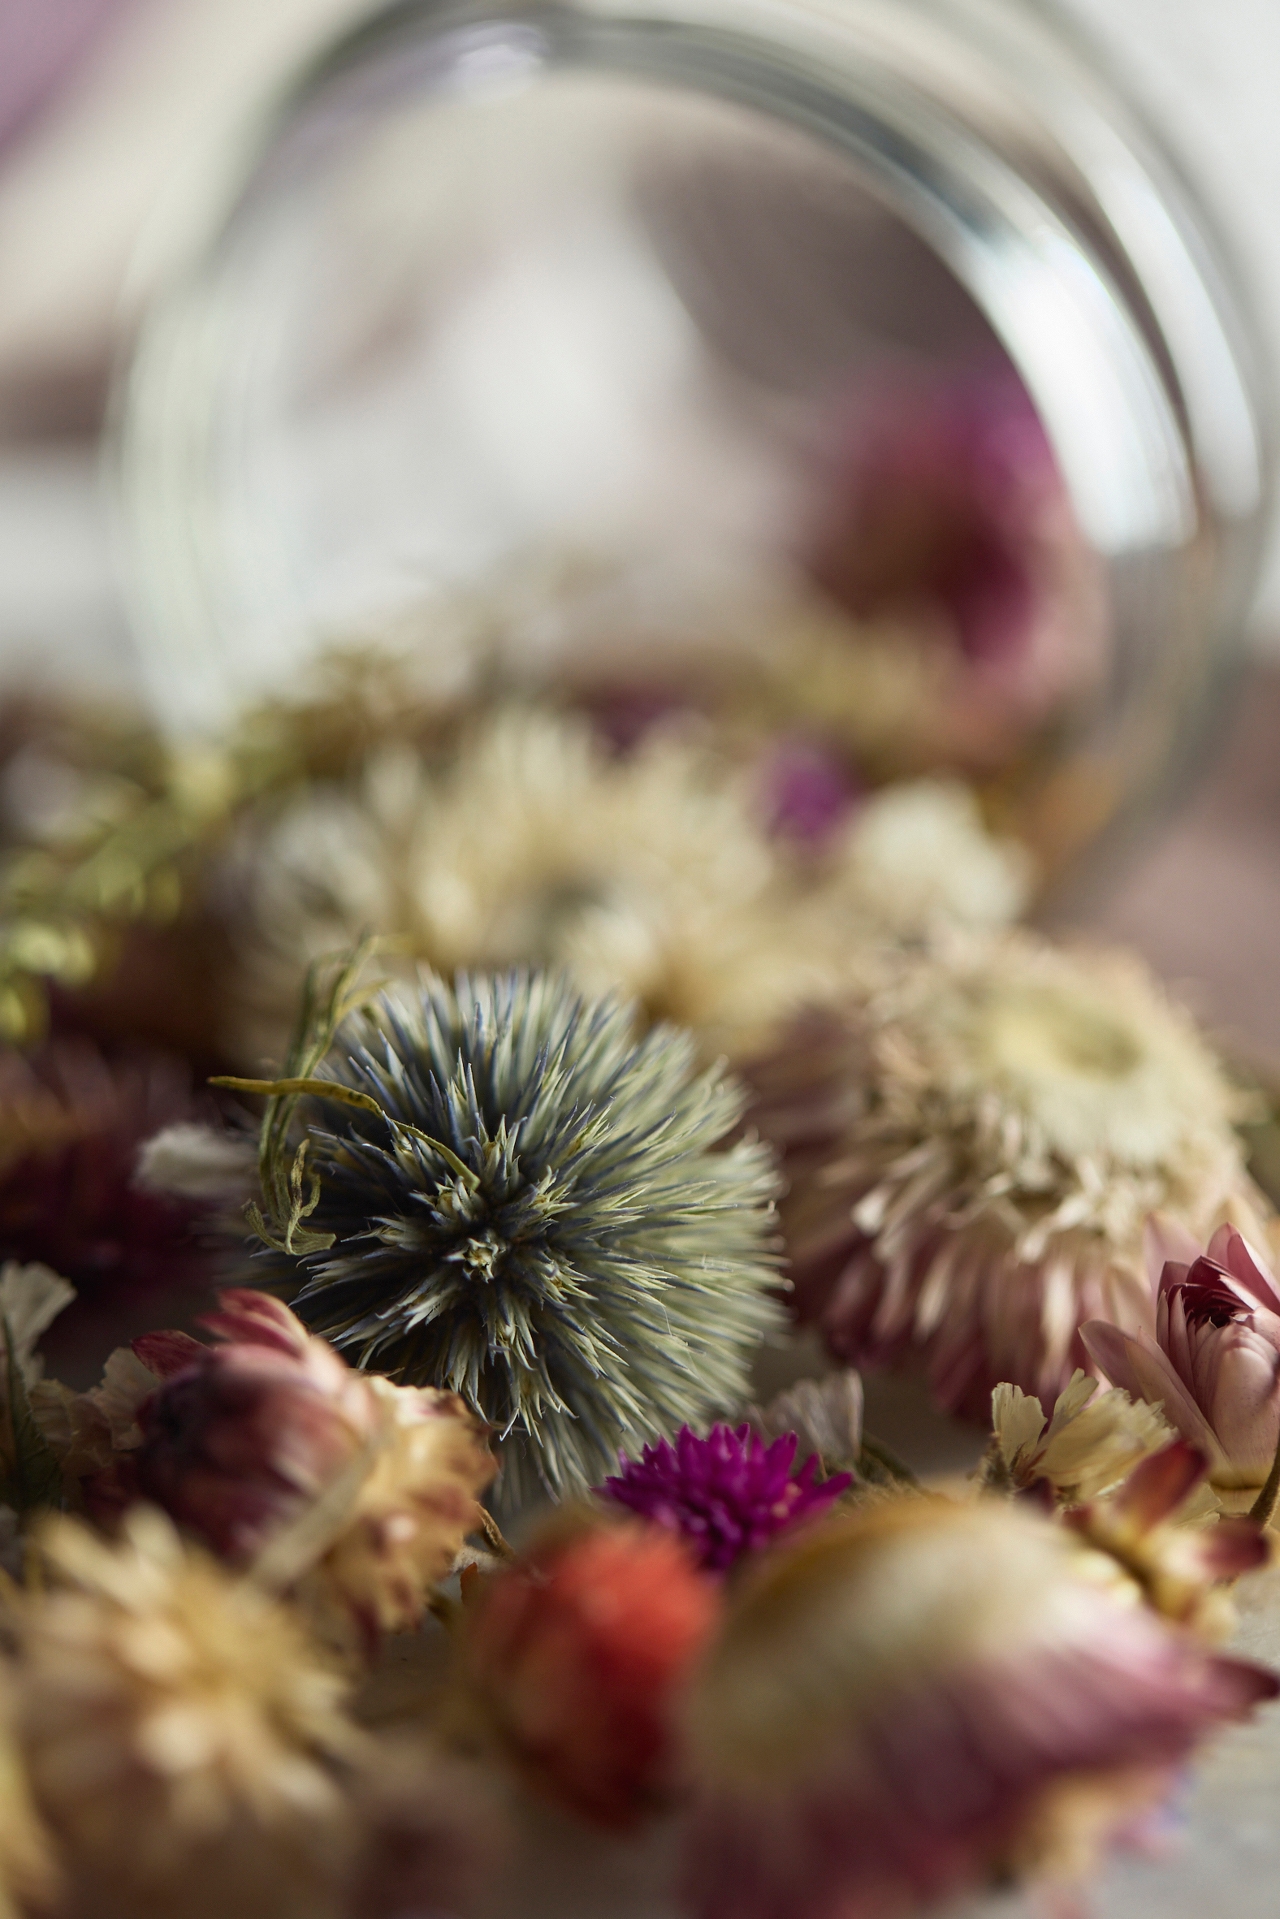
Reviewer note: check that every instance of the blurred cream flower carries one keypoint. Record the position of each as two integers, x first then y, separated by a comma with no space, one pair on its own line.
646,873
1092,1441
182,1739
918,858
978,1147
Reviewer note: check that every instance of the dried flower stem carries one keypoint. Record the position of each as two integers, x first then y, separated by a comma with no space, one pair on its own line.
494,1537
879,1463
1265,1504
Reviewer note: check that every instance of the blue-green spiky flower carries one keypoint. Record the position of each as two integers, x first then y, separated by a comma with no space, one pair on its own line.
534,1208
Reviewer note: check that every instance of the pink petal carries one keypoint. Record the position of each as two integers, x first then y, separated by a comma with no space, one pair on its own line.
1160,1484
1246,1267
1134,1362
167,1353
1166,1239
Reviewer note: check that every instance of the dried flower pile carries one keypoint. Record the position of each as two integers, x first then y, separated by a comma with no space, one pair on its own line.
580,1015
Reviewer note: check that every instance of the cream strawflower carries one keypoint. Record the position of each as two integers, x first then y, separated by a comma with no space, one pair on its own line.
535,844
182,1738
918,858
1092,1442
974,1147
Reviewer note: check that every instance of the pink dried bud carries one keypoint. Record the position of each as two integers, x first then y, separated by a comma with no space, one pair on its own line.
1214,1363
923,1697
240,1441
580,1653
256,1434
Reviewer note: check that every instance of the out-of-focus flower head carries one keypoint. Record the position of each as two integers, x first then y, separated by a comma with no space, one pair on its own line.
579,1654
182,1738
917,859
920,1698
974,1144
253,1435
29,1878
1213,1364
1092,1442
533,845
433,1833
947,503
71,1126
1147,1527
728,1495
533,1208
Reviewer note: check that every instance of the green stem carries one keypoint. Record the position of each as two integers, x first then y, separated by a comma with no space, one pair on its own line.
1265,1504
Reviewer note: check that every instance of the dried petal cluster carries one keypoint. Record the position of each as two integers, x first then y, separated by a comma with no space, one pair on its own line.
975,1146
541,1214
270,1448
579,1655
1213,1362
1091,1443
182,1741
923,1697
726,1495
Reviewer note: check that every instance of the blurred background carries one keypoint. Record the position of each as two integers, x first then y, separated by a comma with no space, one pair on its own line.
107,107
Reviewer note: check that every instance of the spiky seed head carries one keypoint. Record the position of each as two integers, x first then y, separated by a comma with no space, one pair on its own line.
537,1210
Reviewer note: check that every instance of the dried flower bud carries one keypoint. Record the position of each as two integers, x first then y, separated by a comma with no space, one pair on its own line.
255,1434
922,1696
579,1653
1213,1366
181,1736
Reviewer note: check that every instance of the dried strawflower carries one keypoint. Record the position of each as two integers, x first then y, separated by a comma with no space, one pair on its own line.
29,1877
918,858
1093,1441
255,1436
1148,1527
182,1739
974,1146
947,505
579,1654
71,1126
921,1697
534,845
526,1205
1213,1366
727,1495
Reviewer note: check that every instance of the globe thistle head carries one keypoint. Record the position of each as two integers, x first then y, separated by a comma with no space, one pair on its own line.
727,1495
974,1145
530,1207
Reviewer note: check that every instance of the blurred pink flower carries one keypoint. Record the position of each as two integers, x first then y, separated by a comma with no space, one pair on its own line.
1214,1363
945,501
924,1698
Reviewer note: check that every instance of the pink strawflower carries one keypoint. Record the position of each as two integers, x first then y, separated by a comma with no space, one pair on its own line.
250,1436
580,1653
945,500
1213,1365
727,1495
923,1698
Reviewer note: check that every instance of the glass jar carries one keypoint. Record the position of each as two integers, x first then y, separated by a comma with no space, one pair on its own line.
567,291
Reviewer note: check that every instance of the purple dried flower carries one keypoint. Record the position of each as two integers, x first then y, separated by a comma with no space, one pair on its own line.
727,1494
